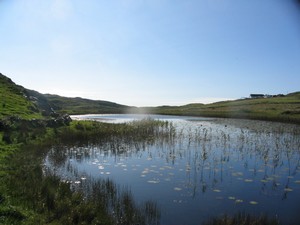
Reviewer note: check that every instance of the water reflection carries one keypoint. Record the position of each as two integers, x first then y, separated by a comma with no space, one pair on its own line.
197,169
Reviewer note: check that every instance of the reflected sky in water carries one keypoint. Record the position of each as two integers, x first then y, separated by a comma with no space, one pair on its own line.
209,167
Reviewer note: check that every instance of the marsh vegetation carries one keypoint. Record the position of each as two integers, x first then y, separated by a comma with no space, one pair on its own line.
150,171
34,194
158,170
194,167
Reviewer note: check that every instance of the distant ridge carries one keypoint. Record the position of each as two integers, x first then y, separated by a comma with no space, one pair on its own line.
285,108
16,100
84,106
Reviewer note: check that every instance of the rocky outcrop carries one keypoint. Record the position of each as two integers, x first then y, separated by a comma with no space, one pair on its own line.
18,130
16,123
59,121
41,102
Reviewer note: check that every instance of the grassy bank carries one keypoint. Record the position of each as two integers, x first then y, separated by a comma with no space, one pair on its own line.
282,109
30,195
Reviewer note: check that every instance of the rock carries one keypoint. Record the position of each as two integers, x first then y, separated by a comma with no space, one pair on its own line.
59,121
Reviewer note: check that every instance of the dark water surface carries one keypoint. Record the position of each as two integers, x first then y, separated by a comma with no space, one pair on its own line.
210,167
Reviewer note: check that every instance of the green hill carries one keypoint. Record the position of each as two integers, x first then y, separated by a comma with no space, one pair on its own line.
16,101
84,106
20,102
282,108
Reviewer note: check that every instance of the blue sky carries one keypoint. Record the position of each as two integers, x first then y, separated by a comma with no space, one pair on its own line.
152,52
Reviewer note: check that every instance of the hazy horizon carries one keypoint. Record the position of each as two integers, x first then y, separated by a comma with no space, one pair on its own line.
170,103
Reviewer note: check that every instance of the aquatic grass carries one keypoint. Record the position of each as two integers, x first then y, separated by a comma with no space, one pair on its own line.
92,131
208,153
56,202
243,219
26,183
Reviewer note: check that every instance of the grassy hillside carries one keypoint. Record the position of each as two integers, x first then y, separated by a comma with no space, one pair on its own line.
22,103
14,101
28,104
284,108
24,114
84,106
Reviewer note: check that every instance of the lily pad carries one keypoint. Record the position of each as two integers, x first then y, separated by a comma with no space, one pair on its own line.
248,180
239,201
253,202
177,189
153,181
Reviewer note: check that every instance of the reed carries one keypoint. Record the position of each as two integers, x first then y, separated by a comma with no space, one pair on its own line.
243,219
43,198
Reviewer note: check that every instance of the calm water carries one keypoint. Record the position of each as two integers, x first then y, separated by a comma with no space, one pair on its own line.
210,167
